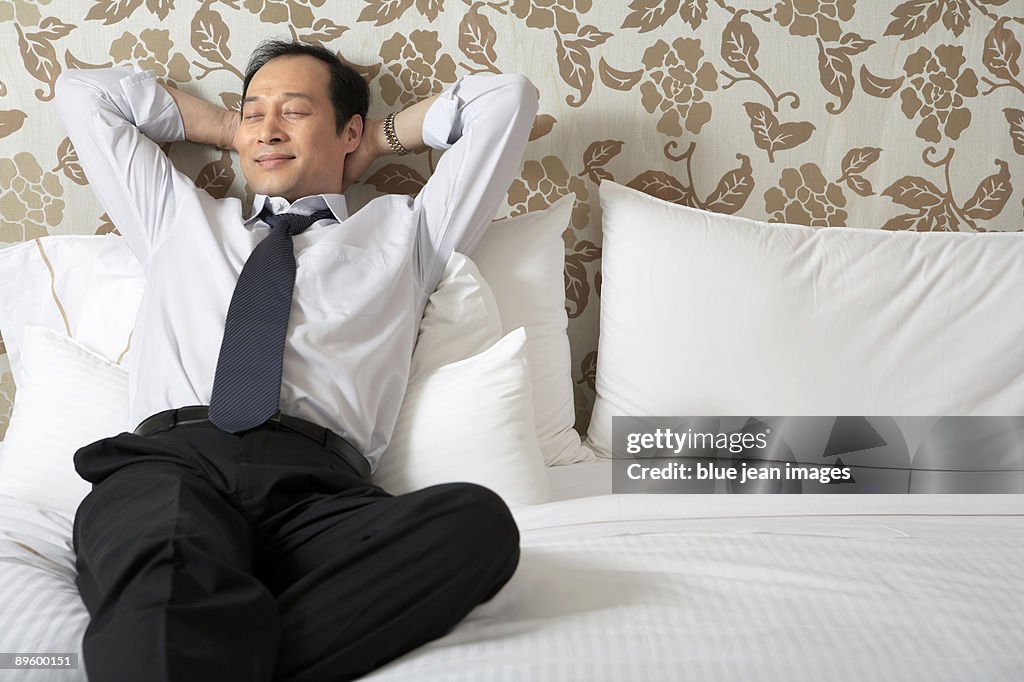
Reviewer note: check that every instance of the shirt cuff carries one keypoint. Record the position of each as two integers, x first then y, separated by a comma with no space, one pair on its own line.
152,107
442,126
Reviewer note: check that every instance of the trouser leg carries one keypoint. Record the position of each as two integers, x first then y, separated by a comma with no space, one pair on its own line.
362,580
163,567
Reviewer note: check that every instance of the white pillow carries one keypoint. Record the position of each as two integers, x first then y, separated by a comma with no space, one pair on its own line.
461,318
471,420
68,397
704,314
523,260
85,286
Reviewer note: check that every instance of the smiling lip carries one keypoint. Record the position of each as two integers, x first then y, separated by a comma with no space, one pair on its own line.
273,160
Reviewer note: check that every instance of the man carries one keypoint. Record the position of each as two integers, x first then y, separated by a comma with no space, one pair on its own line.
235,536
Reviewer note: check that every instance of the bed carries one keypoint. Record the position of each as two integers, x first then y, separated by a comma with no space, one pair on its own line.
614,586
672,587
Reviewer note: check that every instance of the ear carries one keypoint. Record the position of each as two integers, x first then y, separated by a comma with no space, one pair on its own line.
353,133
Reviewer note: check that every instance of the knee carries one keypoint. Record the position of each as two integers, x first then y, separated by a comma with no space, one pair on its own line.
479,522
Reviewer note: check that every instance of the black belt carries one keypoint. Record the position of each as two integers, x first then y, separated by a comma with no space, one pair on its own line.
332,442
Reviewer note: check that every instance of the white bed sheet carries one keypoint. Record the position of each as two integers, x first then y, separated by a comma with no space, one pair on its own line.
676,587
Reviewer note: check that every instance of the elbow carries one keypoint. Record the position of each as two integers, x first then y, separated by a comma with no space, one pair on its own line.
525,95
526,92
68,90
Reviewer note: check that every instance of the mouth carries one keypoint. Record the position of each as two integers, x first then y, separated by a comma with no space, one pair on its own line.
273,160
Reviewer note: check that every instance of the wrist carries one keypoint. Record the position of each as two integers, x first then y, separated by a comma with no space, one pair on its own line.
373,132
230,121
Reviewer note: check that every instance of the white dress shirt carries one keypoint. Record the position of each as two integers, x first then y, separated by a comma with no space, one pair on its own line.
362,281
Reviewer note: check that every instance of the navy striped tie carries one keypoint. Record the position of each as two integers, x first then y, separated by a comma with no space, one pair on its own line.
247,383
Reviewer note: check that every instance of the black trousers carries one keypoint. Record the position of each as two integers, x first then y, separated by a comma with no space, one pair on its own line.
209,556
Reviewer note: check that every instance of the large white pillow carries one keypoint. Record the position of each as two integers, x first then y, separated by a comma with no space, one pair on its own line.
87,287
523,260
471,420
68,397
704,314
461,318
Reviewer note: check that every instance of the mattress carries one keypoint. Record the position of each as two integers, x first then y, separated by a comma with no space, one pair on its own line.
674,587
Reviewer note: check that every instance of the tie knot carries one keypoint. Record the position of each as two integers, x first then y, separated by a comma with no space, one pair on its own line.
293,223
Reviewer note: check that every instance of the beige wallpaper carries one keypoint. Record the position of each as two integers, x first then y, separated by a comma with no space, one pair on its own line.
886,114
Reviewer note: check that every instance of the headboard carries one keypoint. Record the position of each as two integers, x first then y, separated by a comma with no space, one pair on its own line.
893,115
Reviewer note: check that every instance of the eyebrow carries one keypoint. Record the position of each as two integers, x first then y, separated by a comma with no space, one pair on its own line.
287,95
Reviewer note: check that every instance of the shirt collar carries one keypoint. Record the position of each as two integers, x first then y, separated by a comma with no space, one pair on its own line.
305,206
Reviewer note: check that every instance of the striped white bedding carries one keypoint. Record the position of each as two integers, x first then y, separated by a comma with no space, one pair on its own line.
674,587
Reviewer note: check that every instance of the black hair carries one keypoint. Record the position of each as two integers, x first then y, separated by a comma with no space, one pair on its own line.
348,91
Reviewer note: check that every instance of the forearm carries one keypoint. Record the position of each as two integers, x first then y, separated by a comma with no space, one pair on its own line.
408,128
205,123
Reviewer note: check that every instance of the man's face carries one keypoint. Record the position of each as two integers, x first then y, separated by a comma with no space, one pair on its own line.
287,142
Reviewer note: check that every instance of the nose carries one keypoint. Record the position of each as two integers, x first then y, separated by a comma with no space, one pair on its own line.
270,130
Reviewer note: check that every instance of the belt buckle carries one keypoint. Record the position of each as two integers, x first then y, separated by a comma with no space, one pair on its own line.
275,419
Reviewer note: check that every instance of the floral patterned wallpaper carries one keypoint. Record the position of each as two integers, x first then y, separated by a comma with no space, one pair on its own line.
897,115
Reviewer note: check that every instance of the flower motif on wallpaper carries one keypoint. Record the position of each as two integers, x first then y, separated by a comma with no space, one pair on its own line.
413,70
151,50
814,17
674,85
542,183
938,85
22,12
28,199
295,12
805,197
547,13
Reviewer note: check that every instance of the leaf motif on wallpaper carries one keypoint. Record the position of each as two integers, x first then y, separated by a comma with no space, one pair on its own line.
694,12
913,18
11,121
616,79
597,155
112,11
771,135
382,12
957,16
324,31
73,62
733,189
588,370
368,72
574,65
740,45
209,38
648,15
1001,51
914,192
477,39
577,289
106,226
855,162
1015,117
216,177
991,195
1001,57
231,101
397,179
161,8
542,125
876,86
835,70
430,8
67,163
39,55
663,186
